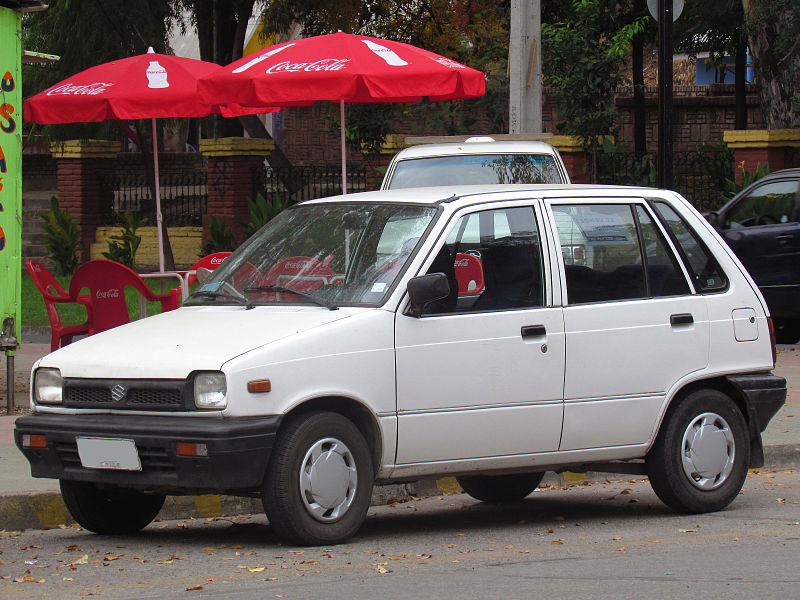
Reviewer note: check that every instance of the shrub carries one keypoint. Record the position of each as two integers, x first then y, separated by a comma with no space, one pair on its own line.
122,248
61,238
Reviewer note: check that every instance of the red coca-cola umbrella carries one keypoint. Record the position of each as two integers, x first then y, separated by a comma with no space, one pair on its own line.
147,86
340,67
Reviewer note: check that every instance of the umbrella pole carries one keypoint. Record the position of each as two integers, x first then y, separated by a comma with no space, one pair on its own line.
344,153
158,201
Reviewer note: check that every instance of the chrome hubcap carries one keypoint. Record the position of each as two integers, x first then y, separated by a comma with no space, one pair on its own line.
708,451
328,480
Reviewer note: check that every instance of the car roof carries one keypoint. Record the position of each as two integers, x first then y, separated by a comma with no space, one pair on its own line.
482,147
469,194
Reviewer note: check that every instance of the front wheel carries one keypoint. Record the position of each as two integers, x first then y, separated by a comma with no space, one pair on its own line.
699,460
319,482
110,510
500,488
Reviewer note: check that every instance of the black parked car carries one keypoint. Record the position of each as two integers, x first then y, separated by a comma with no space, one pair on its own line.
762,226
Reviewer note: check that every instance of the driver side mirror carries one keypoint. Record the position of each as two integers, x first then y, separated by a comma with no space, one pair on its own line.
426,289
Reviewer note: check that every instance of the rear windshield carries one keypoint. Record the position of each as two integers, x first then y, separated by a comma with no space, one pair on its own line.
475,169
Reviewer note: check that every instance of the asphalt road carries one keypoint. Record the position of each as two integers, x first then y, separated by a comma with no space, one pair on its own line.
594,541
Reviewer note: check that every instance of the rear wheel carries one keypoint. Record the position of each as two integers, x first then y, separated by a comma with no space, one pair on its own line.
500,488
319,482
699,460
110,510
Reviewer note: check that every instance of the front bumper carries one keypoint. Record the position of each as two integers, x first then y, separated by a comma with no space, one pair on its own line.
237,458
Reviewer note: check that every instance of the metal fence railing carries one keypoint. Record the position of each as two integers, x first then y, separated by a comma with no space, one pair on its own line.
183,197
296,184
700,175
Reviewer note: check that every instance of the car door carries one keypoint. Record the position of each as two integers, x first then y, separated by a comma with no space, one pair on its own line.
763,229
633,326
481,374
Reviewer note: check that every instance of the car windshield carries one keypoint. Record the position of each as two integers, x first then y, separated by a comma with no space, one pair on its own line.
328,254
469,169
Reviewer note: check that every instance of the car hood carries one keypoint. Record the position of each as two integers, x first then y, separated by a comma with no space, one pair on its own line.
173,344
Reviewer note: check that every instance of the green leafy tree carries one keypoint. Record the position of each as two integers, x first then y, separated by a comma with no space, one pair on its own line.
772,27
584,55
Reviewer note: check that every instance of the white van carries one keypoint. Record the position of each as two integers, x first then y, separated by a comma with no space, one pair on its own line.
411,334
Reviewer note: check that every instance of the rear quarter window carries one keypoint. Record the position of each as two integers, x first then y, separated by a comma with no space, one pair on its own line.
707,275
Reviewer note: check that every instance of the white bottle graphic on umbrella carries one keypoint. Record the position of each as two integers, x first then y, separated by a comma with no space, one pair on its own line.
386,54
156,75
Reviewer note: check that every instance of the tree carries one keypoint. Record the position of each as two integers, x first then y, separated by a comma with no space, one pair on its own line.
584,55
772,27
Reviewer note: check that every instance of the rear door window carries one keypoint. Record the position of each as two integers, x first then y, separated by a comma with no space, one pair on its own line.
615,252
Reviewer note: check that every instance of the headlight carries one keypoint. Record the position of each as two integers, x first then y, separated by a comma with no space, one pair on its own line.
210,390
47,386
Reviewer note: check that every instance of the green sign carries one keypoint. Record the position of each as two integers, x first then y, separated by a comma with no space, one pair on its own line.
10,167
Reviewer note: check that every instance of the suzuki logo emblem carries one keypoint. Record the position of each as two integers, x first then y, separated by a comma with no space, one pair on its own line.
118,393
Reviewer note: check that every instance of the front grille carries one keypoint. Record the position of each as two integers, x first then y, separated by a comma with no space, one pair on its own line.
165,395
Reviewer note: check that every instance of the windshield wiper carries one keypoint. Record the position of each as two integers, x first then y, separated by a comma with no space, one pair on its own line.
286,290
216,294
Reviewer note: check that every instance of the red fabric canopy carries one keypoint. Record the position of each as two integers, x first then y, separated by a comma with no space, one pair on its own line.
140,87
340,67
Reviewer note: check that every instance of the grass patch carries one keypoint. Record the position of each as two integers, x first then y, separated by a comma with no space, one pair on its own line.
34,313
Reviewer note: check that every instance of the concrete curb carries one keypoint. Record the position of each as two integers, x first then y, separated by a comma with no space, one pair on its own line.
46,510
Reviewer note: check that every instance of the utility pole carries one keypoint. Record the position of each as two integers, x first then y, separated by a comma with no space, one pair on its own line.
525,67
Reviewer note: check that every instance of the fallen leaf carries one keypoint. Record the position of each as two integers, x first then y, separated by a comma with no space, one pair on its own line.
381,569
509,546
82,560
626,491
557,542
194,587
256,569
687,530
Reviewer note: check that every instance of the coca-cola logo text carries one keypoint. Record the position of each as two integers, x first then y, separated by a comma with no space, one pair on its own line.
325,64
112,293
217,261
68,89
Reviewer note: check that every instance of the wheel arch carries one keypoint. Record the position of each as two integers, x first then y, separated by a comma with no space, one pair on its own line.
352,410
721,384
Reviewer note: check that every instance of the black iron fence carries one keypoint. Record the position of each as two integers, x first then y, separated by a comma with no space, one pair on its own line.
700,176
183,197
296,184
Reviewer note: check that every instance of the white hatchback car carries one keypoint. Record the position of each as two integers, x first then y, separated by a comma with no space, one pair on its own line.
476,161
402,335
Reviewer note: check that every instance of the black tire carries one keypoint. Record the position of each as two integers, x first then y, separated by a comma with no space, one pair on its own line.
110,510
500,488
699,460
328,504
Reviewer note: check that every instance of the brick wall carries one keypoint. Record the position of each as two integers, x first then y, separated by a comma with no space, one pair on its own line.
310,135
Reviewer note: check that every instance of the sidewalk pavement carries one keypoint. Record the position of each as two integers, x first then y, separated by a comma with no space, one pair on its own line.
26,502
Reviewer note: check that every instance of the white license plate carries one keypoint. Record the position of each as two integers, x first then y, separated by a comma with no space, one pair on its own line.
108,453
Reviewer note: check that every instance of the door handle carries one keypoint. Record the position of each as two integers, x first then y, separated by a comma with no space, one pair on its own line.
783,238
681,319
534,331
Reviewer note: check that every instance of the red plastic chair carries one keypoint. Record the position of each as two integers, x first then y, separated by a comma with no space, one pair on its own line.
210,262
53,293
469,274
107,281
